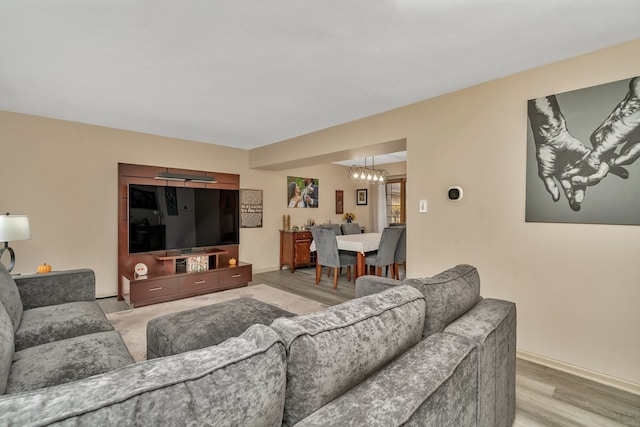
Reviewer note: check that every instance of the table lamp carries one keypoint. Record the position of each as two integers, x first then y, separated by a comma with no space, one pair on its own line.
13,227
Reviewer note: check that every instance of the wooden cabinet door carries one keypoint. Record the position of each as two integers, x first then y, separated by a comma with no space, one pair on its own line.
303,241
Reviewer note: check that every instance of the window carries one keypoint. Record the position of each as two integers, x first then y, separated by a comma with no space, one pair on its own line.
396,200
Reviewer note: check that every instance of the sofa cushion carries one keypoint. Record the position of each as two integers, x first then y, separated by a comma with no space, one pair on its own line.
449,295
10,297
329,352
240,382
491,326
215,323
57,322
67,360
433,384
6,348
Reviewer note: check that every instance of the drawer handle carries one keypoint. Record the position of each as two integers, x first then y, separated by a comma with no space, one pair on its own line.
200,282
236,275
155,289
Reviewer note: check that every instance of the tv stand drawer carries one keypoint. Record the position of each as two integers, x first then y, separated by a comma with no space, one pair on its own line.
199,281
147,289
235,275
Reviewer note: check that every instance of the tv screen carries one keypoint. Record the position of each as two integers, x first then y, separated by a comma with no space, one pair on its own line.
180,218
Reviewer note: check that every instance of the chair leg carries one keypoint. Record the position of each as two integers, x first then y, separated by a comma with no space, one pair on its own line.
396,272
335,278
378,271
349,274
318,273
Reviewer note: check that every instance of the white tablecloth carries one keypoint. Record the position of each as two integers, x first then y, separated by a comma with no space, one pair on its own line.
363,243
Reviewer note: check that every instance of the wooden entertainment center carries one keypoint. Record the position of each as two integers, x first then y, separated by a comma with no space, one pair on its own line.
167,279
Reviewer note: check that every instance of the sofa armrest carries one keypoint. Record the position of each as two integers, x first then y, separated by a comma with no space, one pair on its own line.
434,383
57,287
369,284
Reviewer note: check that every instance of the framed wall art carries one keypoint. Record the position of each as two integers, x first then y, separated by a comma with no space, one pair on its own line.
361,196
339,201
302,192
250,208
583,148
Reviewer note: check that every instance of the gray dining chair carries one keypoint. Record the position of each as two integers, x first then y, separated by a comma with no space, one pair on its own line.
334,227
327,254
385,255
401,252
350,228
338,232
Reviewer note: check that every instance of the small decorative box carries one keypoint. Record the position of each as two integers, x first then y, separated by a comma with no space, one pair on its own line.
197,264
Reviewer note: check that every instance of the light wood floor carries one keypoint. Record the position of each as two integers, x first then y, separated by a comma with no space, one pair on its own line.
544,396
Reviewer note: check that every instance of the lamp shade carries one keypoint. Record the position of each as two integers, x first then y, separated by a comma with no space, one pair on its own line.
14,227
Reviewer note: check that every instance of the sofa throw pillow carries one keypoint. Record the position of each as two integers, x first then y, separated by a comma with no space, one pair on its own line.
329,352
449,295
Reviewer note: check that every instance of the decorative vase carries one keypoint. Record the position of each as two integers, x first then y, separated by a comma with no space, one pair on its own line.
349,220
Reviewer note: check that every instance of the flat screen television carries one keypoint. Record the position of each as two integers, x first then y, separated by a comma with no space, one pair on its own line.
181,218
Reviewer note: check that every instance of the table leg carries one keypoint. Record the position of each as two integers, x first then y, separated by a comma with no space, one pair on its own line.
361,264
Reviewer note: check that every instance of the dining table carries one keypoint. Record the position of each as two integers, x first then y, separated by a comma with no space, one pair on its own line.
361,244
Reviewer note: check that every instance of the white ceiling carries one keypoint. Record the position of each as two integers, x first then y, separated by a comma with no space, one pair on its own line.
247,73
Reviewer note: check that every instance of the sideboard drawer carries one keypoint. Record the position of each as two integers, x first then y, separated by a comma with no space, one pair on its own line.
303,235
145,289
239,274
199,281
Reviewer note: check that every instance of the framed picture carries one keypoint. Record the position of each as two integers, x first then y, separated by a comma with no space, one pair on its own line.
302,192
339,201
361,196
585,169
250,208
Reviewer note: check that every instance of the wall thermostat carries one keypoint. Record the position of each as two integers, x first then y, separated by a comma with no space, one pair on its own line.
454,193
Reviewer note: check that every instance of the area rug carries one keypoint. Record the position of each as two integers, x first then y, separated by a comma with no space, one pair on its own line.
132,324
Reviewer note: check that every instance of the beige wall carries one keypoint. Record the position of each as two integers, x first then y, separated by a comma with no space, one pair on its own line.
63,175
577,287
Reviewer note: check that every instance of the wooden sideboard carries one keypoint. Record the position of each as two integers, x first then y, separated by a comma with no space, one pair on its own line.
294,249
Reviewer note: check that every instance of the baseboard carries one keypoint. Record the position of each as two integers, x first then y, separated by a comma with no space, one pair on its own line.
580,372
267,269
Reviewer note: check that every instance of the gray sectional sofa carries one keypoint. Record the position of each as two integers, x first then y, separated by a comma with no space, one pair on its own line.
52,331
381,359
